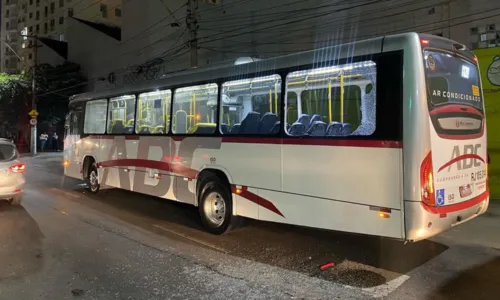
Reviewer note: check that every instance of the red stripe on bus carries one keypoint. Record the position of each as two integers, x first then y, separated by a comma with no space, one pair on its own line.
458,206
459,158
151,164
315,142
285,141
188,172
252,140
256,199
456,109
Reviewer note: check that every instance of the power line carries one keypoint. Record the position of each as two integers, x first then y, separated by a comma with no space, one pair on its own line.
217,37
153,25
337,22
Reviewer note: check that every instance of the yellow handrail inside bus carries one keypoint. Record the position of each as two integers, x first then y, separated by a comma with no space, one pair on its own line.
341,98
194,108
324,79
329,102
276,98
270,100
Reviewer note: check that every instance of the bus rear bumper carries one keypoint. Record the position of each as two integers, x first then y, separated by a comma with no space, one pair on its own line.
422,222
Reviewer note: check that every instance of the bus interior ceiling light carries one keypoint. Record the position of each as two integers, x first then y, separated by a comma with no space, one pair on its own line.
328,70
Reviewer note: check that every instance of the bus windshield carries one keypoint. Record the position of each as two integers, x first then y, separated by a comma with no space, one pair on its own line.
451,79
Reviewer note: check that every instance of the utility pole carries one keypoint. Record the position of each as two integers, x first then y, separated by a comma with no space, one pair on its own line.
192,24
34,113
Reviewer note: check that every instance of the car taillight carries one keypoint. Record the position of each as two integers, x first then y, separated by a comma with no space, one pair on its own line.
427,181
18,168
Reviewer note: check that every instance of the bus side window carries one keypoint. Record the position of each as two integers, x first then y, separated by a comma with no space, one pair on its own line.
95,117
153,111
121,115
332,101
251,106
194,109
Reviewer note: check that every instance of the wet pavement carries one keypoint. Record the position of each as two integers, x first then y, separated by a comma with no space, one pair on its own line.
66,244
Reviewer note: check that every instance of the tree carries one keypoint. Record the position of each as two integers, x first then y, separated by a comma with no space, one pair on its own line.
14,99
54,87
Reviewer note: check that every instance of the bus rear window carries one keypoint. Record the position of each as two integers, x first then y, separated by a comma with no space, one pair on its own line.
451,79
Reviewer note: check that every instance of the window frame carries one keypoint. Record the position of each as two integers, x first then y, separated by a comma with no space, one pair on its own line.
167,126
335,64
382,131
278,72
107,112
84,133
194,84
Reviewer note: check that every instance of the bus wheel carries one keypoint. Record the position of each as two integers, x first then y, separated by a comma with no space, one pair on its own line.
215,206
93,179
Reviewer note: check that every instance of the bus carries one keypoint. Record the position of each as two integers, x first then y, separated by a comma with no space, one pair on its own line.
384,137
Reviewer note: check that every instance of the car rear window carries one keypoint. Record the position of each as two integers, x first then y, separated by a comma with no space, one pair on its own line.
7,152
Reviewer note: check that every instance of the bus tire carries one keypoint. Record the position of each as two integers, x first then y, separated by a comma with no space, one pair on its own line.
215,205
93,179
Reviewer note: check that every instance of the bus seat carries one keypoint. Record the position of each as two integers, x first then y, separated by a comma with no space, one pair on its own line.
224,128
304,119
297,129
159,129
346,129
318,128
250,124
276,128
118,127
334,129
180,121
145,129
267,122
129,130
314,118
203,128
235,129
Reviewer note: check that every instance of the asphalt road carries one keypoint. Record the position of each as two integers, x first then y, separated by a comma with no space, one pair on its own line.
65,244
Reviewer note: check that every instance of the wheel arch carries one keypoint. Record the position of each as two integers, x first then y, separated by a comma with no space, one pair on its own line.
219,172
87,162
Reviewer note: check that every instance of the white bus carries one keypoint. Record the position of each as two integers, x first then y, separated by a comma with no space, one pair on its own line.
383,137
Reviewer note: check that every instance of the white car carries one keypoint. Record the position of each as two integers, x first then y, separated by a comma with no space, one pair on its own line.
11,173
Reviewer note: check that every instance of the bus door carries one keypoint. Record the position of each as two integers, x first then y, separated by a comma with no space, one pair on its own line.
456,168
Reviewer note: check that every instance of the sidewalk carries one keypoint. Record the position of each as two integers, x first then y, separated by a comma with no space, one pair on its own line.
43,155
483,230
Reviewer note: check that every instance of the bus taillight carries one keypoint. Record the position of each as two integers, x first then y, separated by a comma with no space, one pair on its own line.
427,181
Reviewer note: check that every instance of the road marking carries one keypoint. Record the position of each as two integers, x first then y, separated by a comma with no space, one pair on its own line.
192,239
66,193
387,288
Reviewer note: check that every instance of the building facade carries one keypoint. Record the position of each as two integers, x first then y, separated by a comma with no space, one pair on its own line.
26,21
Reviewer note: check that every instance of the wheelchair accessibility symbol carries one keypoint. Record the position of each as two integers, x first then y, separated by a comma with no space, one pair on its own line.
440,197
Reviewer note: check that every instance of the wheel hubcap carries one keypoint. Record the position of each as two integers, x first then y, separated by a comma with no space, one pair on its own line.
214,208
93,180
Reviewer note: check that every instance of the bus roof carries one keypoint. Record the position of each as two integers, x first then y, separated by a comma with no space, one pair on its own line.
213,72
